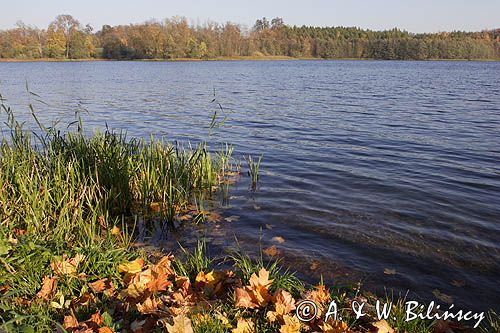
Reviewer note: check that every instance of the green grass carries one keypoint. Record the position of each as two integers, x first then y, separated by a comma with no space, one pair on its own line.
66,192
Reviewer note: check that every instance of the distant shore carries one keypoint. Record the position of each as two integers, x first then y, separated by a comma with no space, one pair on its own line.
236,58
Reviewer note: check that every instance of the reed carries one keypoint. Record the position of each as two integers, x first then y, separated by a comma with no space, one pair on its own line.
253,169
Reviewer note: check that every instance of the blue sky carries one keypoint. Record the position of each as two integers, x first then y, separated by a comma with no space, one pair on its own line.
412,15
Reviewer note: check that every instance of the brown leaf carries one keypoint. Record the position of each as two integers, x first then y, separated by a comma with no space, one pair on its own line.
314,265
458,283
95,320
272,251
70,323
442,297
388,271
165,266
48,288
102,285
243,299
66,266
149,306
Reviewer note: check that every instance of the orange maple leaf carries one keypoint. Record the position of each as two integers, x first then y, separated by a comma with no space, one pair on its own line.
102,285
48,288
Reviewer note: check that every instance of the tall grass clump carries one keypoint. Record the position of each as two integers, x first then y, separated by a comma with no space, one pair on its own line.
67,195
253,169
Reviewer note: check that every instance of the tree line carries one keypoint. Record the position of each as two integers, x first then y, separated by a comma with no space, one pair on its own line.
174,38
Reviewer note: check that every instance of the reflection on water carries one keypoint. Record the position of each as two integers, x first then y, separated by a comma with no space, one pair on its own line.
367,165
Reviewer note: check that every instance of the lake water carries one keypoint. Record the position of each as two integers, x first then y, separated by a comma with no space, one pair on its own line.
368,166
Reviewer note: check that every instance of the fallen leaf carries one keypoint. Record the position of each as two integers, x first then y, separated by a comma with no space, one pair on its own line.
95,321
458,283
443,297
182,324
383,326
269,226
257,293
155,207
291,325
105,330
389,271
314,265
232,218
335,327
132,267
278,239
272,251
115,231
48,288
244,326
149,306
102,285
66,266
283,302
70,323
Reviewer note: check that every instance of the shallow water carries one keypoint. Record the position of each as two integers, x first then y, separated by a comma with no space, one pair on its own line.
367,165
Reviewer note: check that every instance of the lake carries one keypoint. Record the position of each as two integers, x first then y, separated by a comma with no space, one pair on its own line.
382,172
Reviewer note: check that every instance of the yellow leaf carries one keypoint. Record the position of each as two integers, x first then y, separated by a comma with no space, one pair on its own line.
283,302
383,327
291,325
182,324
244,326
132,267
278,239
115,231
155,207
336,327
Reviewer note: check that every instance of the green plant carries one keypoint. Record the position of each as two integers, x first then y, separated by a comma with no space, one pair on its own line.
253,169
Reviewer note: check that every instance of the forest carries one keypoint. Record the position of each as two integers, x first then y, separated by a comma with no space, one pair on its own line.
177,38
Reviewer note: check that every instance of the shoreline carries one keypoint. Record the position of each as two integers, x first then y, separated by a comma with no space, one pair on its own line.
239,58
